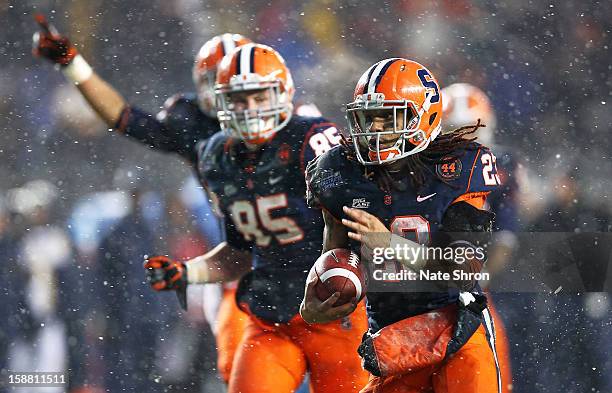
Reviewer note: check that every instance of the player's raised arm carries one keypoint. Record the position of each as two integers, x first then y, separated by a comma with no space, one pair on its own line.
102,97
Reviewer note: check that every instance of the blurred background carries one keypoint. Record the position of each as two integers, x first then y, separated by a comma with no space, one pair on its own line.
78,203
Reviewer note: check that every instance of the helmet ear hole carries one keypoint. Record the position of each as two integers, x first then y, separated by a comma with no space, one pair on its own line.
432,118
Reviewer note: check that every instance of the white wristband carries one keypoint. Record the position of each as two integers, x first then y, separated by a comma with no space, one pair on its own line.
197,271
78,71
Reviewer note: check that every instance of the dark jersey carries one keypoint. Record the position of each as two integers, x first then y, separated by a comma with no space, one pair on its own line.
177,128
335,181
261,195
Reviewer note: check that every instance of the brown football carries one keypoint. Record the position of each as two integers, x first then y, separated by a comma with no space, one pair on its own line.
339,270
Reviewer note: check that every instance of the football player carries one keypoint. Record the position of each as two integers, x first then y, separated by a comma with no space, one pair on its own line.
254,169
410,181
185,120
464,104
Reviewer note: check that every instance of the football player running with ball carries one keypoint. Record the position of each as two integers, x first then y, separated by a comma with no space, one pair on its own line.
410,181
186,120
254,171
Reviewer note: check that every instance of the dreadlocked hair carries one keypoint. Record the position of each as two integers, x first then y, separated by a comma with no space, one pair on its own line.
448,146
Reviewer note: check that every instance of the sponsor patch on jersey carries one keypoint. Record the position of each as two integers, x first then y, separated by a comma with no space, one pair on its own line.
360,203
449,169
331,181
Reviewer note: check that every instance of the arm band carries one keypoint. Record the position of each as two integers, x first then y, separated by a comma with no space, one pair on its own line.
197,270
78,71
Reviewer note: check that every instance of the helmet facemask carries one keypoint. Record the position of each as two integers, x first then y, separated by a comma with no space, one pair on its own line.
254,126
384,131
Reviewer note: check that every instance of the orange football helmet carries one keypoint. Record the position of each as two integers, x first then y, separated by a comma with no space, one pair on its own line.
254,67
205,67
463,105
405,91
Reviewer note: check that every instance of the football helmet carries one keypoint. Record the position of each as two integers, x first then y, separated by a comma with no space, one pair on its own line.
249,68
403,98
205,67
463,105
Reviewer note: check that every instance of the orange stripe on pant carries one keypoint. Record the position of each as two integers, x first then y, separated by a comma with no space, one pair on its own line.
275,358
469,370
231,322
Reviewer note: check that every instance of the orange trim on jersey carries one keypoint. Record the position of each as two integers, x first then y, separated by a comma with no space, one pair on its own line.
123,119
472,170
476,199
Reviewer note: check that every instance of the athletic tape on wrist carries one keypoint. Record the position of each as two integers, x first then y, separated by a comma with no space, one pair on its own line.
197,271
78,71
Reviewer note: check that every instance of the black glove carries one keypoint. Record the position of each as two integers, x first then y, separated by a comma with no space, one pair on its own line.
165,274
48,43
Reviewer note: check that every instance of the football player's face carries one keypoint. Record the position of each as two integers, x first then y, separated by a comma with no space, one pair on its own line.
379,121
251,100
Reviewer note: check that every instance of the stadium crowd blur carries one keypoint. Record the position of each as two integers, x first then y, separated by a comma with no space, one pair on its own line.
71,192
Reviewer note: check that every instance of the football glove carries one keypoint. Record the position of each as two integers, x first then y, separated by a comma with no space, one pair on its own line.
48,43
166,274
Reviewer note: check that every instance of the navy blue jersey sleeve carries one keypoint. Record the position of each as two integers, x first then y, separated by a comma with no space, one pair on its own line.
312,194
320,138
472,174
482,176
325,177
177,128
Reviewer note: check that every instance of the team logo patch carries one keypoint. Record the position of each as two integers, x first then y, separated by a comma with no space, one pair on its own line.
360,203
388,199
331,181
449,168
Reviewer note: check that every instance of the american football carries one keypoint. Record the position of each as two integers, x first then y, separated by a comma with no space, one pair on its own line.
339,270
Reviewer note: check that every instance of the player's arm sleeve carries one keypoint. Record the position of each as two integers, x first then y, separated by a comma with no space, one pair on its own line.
467,230
467,223
164,131
312,185
320,138
479,180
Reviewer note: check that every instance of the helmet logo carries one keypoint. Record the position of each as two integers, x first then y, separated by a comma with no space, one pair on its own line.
429,83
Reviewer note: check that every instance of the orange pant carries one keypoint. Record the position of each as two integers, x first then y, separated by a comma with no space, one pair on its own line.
503,349
275,358
469,370
231,324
